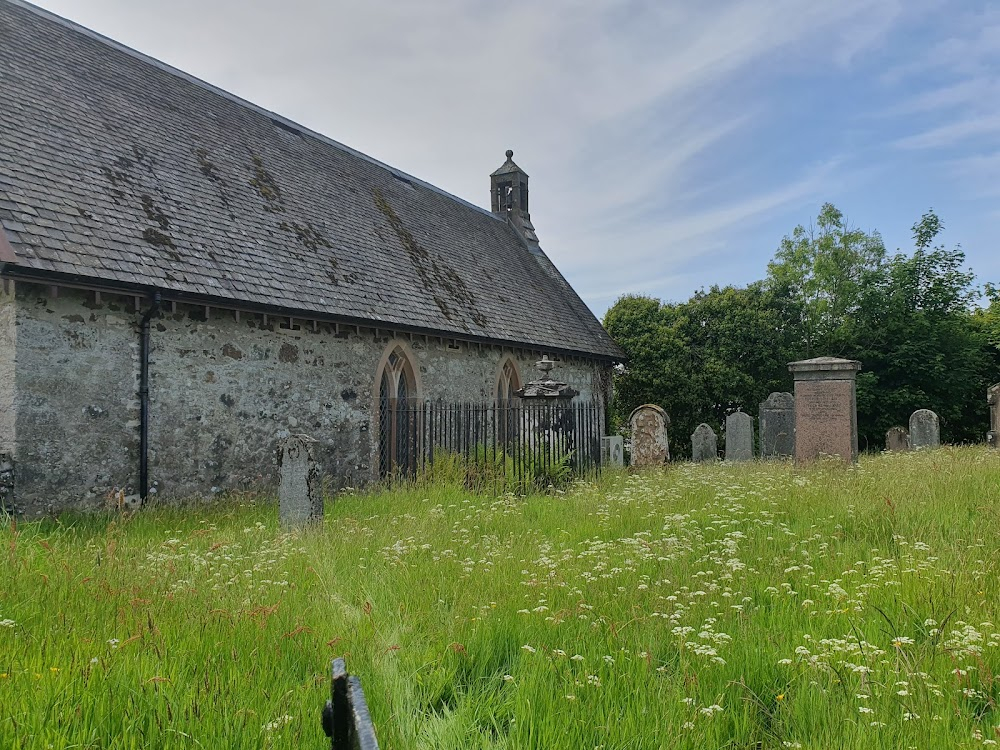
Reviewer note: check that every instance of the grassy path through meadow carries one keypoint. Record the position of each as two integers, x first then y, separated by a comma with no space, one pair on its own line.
749,606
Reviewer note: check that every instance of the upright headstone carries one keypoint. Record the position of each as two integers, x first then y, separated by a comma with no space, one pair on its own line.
649,425
897,439
925,430
826,408
993,399
613,451
300,495
704,444
777,426
739,437
7,485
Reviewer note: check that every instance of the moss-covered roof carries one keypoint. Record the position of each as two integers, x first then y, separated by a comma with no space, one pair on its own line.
115,167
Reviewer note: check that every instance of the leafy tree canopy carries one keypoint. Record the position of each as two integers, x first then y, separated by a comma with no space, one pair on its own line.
831,289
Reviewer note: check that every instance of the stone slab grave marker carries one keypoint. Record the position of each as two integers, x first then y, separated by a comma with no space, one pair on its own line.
704,444
300,495
993,399
925,430
613,451
777,426
649,425
897,439
826,408
739,437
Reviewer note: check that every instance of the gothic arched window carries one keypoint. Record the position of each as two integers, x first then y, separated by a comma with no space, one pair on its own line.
397,399
508,407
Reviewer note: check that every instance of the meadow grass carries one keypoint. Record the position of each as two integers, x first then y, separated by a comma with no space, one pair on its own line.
729,606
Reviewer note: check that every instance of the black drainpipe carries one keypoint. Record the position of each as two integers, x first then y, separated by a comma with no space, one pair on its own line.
147,317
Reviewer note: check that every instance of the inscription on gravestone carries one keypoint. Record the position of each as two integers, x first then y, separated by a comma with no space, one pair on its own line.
613,451
777,425
925,430
739,437
649,436
300,495
704,444
897,439
826,416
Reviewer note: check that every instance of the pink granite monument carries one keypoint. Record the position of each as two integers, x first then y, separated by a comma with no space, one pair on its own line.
826,411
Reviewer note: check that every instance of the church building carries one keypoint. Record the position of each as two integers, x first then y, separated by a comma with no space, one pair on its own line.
187,277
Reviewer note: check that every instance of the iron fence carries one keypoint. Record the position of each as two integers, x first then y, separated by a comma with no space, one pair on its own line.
496,446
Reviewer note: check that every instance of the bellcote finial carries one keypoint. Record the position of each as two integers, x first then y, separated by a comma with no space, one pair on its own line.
510,153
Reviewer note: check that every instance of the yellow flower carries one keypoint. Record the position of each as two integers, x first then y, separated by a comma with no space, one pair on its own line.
3,675
780,697
53,670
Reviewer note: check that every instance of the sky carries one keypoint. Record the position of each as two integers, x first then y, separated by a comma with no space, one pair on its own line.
670,144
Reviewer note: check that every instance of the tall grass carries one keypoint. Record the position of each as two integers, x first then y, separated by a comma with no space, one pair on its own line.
746,606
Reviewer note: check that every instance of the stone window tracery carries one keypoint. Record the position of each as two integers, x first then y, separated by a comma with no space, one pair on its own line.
397,395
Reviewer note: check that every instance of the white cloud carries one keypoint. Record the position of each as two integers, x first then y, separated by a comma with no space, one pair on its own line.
616,110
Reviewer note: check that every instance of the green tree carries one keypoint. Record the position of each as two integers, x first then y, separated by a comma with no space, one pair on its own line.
916,335
825,269
722,350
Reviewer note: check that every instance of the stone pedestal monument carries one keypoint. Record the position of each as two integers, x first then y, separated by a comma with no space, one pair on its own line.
300,494
777,426
739,437
993,399
649,425
826,409
545,387
897,439
925,430
704,444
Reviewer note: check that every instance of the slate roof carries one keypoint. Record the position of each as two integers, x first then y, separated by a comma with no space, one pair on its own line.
115,167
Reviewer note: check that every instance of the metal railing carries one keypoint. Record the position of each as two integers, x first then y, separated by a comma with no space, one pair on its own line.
496,446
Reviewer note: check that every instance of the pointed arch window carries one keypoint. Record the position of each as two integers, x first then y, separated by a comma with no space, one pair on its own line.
397,397
508,404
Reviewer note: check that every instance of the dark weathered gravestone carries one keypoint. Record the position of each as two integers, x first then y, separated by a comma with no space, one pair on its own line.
300,494
612,451
704,444
925,430
346,720
777,426
826,411
993,399
649,436
7,484
739,437
897,439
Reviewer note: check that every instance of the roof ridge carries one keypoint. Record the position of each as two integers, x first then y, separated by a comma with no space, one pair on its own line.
274,116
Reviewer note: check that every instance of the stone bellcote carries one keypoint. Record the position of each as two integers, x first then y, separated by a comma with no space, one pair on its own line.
509,199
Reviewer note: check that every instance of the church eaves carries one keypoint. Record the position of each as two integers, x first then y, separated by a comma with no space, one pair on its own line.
118,169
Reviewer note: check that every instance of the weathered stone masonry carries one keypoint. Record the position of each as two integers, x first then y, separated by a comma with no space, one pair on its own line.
222,392
131,191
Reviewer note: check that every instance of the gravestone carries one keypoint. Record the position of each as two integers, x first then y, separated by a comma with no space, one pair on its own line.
649,425
897,439
739,437
704,444
826,408
993,399
925,430
613,451
300,496
777,426
7,484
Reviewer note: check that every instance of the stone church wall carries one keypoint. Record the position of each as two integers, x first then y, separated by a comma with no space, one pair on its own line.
222,392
